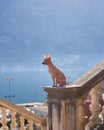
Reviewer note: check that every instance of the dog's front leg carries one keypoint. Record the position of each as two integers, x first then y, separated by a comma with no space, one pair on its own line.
54,82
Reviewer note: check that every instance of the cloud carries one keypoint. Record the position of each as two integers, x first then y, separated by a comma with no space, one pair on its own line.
20,68
68,59
69,63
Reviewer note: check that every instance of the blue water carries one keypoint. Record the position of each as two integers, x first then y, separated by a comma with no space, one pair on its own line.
26,86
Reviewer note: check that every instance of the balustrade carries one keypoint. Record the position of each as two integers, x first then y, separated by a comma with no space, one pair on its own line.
13,117
97,117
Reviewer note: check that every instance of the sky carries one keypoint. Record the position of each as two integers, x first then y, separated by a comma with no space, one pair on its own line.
71,31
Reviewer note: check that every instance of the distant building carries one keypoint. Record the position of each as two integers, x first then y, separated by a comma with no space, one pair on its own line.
37,108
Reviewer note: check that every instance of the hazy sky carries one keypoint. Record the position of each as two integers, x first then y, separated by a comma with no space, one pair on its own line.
71,31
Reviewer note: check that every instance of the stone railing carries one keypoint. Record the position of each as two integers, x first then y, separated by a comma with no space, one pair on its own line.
96,120
13,117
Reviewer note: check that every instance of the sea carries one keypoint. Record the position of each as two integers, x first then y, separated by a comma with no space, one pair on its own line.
25,87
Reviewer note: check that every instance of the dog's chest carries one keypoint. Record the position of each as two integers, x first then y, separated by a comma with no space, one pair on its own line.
52,70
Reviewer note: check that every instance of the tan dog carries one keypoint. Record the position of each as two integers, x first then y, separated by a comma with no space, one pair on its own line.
57,76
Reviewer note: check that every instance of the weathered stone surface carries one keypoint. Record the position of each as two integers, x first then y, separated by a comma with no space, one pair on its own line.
63,92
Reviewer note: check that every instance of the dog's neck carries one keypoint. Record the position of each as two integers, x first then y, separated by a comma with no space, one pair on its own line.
50,64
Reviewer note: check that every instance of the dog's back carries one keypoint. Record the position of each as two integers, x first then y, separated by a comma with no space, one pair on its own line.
56,74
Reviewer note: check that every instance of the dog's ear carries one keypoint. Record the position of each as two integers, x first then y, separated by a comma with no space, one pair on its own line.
44,56
49,56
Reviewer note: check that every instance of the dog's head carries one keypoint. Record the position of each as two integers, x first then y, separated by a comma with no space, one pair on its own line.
47,59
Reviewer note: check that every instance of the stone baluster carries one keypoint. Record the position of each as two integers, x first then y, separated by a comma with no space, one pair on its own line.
44,125
103,109
13,120
30,124
103,98
95,107
22,123
38,126
4,120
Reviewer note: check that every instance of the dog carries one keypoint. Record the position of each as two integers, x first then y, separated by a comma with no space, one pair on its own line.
58,77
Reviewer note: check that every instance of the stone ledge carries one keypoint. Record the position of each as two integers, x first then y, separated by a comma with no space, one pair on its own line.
68,91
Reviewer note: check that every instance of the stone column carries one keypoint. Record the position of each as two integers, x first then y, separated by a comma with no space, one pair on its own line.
70,114
95,107
62,108
54,114
63,115
80,113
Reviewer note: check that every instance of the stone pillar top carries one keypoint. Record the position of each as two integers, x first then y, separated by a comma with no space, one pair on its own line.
64,92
